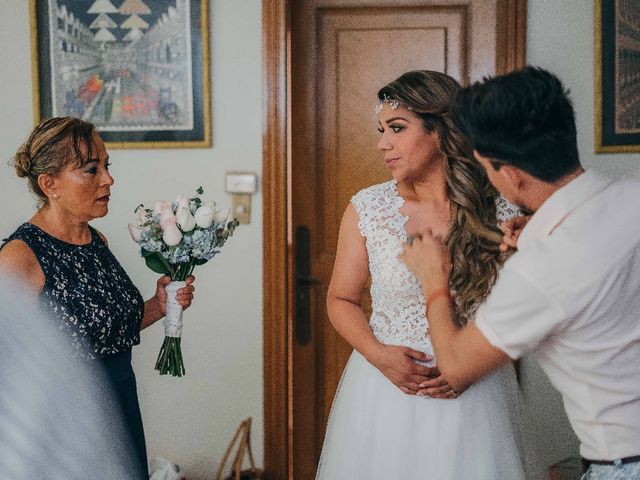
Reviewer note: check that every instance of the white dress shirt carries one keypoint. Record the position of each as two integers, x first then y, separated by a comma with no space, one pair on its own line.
571,295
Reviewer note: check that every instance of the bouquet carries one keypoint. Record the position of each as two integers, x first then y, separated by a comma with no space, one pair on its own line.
174,238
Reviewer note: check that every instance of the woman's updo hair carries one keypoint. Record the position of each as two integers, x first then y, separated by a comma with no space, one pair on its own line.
52,145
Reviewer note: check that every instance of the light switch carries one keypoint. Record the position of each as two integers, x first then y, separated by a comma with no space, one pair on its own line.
241,185
241,206
241,182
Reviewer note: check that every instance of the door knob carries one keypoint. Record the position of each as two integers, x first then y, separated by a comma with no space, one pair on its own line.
304,283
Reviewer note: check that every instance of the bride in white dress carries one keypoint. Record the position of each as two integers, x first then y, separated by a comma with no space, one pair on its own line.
394,416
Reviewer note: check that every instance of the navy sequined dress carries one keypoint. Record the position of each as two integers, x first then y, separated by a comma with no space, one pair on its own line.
99,308
88,291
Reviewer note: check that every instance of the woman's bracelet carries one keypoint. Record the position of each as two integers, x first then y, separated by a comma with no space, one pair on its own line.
440,292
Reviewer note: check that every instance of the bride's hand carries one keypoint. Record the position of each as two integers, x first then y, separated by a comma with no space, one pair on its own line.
437,387
399,365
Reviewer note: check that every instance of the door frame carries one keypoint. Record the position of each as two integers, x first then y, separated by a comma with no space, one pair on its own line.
277,225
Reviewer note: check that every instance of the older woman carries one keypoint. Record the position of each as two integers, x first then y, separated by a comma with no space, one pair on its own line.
68,264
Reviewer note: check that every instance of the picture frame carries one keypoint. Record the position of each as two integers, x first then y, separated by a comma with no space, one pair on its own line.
617,76
138,69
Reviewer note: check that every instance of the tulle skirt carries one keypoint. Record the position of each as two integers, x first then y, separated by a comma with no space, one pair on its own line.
376,432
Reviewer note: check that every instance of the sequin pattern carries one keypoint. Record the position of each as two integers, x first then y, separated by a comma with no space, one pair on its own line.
628,471
88,291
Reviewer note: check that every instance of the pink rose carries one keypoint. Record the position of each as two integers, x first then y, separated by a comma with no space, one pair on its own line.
171,233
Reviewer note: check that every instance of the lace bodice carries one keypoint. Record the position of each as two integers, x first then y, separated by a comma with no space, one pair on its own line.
398,306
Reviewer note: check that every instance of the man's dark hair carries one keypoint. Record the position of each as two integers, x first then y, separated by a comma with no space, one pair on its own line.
524,119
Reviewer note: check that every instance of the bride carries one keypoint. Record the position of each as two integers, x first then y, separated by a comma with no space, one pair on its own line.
394,416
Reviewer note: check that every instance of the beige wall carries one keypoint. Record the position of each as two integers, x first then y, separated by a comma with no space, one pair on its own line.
560,38
187,420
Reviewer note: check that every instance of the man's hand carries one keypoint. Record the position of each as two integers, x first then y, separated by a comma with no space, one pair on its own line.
512,229
429,260
437,387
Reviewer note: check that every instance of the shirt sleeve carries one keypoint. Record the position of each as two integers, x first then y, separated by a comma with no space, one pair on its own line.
517,316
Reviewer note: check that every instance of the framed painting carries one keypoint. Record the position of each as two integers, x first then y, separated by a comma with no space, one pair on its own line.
617,62
137,69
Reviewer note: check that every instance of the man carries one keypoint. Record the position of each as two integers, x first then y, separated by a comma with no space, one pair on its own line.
571,292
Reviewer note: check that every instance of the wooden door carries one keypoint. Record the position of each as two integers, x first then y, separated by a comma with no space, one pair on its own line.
341,53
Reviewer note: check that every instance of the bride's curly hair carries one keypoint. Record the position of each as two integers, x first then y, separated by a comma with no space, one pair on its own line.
474,237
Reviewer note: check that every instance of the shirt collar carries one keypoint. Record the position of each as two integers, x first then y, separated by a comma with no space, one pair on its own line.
561,204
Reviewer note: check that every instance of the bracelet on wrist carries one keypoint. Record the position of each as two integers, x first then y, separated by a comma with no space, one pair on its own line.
443,292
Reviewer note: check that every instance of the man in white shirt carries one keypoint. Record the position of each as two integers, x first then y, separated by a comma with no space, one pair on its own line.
571,292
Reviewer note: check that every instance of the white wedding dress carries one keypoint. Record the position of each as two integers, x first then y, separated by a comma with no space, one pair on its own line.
376,432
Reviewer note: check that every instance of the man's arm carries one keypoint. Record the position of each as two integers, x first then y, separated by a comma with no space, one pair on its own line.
463,354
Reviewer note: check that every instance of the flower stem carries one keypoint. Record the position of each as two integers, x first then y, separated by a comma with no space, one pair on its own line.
170,358
192,266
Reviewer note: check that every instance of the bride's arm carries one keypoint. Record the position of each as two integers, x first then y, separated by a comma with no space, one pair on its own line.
350,274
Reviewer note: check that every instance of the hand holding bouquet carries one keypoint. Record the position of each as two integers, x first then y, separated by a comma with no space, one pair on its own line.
174,238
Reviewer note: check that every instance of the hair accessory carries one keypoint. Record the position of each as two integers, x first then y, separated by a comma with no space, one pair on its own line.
393,103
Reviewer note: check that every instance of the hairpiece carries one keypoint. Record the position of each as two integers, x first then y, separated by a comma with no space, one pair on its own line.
393,103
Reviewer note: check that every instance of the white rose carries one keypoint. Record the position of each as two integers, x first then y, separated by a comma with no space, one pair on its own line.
185,219
220,216
182,202
171,234
204,215
136,232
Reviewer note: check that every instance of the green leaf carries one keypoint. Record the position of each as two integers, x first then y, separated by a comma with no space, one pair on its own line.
157,265
200,261
199,191
156,262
